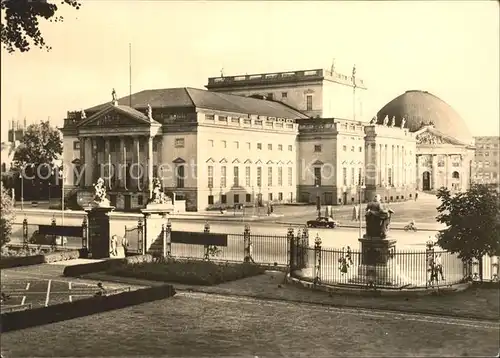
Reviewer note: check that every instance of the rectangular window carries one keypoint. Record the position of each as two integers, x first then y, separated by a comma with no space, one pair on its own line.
248,198
210,200
223,199
280,196
280,147
352,149
280,176
223,176
210,176
76,145
259,146
140,200
236,176
270,176
344,148
224,144
179,142
269,146
317,176
389,176
290,176
247,176
237,145
270,96
211,143
344,176
259,176
309,103
360,149
180,176
360,176
222,118
353,176
284,94
317,148
236,198
290,148
209,117
249,146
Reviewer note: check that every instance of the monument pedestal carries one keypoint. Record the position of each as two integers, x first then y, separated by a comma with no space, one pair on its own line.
98,228
155,216
376,264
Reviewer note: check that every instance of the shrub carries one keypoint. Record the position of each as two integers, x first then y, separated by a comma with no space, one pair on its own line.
188,271
6,216
61,256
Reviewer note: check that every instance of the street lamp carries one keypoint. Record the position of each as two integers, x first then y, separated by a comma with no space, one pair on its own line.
318,200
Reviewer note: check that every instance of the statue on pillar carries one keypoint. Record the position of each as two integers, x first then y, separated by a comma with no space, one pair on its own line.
378,219
374,120
386,120
149,112
403,122
158,196
100,193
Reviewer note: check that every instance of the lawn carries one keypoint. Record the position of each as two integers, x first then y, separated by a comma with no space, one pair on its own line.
198,325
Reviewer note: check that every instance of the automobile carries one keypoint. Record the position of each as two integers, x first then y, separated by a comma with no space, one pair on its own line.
323,221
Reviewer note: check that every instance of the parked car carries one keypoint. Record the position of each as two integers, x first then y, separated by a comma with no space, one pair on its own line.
323,221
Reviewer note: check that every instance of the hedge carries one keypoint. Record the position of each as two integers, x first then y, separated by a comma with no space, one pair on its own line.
189,272
83,269
12,321
17,261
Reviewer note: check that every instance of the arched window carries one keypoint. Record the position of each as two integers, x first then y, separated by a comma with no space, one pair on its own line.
455,175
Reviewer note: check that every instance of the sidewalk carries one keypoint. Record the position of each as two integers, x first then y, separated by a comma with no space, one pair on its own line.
271,286
355,224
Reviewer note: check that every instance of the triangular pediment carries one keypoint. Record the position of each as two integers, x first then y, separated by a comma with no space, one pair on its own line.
430,136
269,162
236,161
258,161
289,162
223,161
178,160
119,115
248,161
280,162
210,160
318,162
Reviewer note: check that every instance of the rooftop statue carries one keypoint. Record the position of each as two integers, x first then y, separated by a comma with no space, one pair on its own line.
403,122
378,219
113,95
83,115
386,120
393,121
374,120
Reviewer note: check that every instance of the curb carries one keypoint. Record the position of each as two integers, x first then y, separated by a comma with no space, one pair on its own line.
263,297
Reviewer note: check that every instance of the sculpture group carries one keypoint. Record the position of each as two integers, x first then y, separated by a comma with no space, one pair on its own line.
378,219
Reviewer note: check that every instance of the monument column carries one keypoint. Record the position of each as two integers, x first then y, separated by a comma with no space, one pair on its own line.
434,172
150,166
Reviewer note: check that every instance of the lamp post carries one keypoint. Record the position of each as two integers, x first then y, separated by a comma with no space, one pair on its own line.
21,176
360,188
62,177
318,200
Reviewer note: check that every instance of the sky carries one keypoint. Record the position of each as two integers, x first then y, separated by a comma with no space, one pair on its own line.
450,49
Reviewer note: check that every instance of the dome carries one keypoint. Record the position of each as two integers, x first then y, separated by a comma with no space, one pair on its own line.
421,108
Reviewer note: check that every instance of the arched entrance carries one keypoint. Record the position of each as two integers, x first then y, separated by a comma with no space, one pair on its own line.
426,181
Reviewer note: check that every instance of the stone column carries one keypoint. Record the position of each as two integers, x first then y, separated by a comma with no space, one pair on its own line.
150,166
434,172
393,158
385,164
417,174
378,172
89,168
403,166
121,163
447,170
106,159
81,175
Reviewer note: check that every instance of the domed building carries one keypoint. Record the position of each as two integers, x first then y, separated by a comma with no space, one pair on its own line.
445,147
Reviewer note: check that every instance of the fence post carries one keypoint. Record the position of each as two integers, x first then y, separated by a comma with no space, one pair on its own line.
247,243
25,233
206,230
164,238
291,244
429,255
317,260
305,248
298,249
85,232
140,237
54,237
169,237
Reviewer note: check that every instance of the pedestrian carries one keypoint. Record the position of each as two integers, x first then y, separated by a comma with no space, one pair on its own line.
101,291
439,267
114,246
355,213
416,196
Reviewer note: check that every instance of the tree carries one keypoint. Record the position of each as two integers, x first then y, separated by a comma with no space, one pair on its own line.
473,223
41,144
6,217
20,24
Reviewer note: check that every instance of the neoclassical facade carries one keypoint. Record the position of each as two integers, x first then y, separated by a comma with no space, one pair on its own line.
224,146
